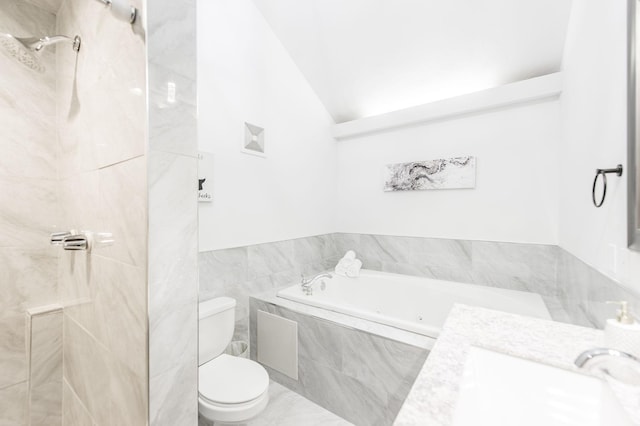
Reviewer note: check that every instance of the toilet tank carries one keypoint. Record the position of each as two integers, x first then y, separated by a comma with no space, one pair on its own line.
216,325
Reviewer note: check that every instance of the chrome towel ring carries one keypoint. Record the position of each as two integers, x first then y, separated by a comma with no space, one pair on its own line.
603,172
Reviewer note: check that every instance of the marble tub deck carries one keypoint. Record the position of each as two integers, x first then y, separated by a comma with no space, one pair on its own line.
287,408
434,394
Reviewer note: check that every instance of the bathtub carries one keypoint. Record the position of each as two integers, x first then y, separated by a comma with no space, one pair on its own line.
415,304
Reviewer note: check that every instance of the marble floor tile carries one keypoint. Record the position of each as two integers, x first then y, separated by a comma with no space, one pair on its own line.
287,408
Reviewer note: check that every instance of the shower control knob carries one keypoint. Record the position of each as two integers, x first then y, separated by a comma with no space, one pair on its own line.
58,237
87,240
75,242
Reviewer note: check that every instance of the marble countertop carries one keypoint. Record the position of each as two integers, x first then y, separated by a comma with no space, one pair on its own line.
434,394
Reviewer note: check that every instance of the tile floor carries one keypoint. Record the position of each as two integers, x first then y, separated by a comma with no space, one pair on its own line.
287,408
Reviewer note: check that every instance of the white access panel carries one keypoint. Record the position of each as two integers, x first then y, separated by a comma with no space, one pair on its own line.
278,343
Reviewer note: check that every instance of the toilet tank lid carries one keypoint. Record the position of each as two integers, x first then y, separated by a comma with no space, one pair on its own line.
215,306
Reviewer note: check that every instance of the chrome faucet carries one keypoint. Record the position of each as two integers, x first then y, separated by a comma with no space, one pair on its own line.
307,284
618,372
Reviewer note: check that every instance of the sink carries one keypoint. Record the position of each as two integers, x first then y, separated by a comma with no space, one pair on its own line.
498,389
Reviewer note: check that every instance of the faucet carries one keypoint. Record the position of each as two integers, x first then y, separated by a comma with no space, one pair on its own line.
307,284
630,376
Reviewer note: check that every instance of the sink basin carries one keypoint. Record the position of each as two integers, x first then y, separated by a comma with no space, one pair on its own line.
498,389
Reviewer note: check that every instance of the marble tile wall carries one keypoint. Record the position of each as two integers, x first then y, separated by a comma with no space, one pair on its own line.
239,272
28,209
584,291
45,366
102,187
361,377
173,214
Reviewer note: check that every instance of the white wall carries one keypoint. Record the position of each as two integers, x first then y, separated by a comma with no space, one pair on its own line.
515,198
594,134
246,75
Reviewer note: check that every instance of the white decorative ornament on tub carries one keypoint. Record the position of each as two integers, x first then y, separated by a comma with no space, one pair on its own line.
446,173
415,304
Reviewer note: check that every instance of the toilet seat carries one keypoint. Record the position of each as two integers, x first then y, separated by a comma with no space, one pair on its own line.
232,389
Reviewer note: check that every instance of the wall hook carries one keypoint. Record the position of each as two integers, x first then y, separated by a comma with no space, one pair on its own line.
603,173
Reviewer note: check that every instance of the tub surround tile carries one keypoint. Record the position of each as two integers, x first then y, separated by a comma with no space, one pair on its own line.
359,376
434,394
573,291
240,272
221,269
271,258
272,301
584,291
309,250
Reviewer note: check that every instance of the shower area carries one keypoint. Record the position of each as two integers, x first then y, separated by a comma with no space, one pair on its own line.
98,262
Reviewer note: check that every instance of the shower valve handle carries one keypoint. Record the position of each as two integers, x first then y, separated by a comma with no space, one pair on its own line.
76,242
57,238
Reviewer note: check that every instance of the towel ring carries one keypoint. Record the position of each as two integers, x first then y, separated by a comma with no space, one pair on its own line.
603,172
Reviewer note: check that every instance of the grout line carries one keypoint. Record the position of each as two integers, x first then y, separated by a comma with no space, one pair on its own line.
77,397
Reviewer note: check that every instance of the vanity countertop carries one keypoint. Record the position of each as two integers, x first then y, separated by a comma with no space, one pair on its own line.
434,394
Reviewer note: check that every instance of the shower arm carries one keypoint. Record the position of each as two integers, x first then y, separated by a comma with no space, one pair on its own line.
121,10
49,40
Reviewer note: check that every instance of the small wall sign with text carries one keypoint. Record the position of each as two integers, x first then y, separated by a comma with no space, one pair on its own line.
205,177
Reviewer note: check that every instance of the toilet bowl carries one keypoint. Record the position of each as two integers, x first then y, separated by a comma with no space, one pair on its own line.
230,389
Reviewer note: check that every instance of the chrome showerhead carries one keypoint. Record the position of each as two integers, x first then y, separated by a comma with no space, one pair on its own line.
25,49
16,49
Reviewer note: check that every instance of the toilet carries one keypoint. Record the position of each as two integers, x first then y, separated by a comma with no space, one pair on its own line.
230,389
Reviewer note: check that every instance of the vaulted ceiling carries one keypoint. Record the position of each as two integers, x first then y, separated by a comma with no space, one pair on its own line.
367,57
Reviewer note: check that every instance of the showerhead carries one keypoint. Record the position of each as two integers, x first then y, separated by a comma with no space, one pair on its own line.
25,49
18,50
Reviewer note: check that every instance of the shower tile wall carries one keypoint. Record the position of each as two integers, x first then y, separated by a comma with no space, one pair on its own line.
29,205
173,213
101,123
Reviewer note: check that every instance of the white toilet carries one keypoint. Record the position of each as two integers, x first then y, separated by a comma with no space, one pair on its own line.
230,389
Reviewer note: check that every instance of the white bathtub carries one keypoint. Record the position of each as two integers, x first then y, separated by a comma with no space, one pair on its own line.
416,304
